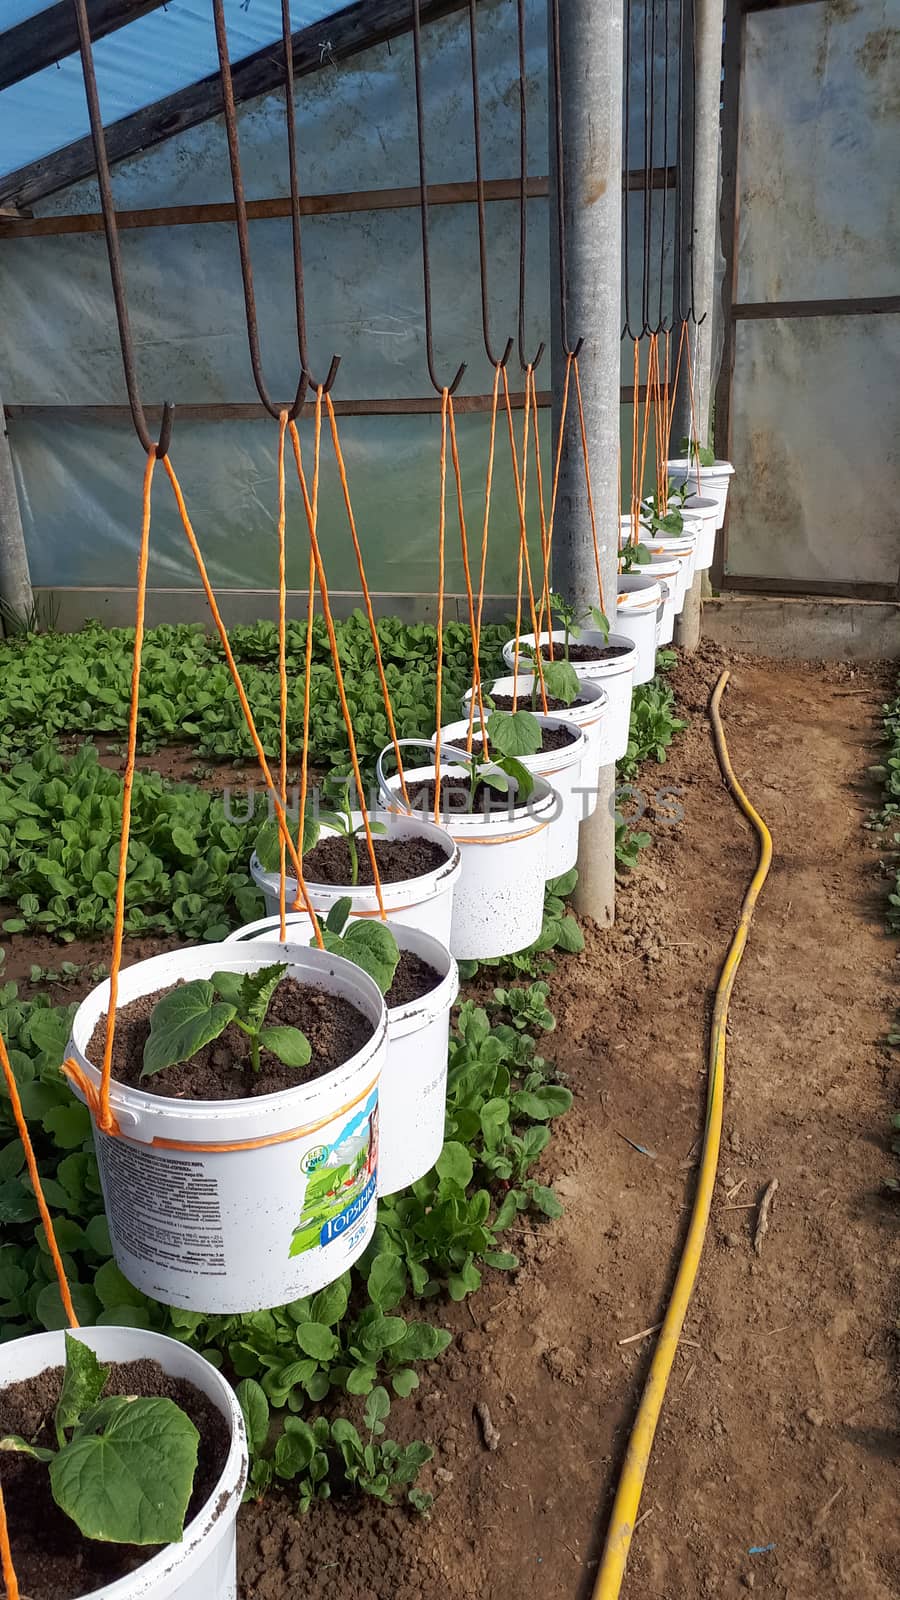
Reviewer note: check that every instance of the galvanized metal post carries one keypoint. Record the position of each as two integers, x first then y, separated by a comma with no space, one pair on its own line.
591,112
699,199
15,579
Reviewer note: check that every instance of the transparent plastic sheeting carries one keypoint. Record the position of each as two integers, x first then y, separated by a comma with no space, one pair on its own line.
816,423
820,108
81,526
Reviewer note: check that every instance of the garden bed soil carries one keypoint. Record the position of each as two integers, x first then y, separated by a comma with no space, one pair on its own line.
413,979
580,653
52,1560
334,1027
774,1469
398,860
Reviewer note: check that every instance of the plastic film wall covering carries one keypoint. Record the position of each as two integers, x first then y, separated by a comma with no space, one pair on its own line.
79,481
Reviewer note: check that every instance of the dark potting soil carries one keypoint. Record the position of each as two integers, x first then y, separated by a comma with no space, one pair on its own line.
551,738
413,979
398,859
504,702
52,1559
590,652
454,800
222,1069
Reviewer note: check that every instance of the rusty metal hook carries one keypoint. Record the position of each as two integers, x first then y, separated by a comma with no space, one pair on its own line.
161,445
423,206
243,234
524,363
479,189
561,190
299,293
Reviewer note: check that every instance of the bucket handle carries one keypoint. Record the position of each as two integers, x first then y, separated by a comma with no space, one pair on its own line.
390,796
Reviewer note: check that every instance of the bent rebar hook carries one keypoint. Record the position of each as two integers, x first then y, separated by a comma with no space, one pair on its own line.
561,193
299,293
479,193
110,228
523,199
240,215
423,206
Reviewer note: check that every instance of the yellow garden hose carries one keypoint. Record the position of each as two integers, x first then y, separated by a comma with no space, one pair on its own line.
625,1507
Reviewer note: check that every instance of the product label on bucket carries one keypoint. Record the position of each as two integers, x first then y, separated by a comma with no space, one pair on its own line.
166,1211
341,1180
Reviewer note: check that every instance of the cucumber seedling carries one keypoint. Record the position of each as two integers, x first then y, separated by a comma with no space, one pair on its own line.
369,944
191,1016
572,621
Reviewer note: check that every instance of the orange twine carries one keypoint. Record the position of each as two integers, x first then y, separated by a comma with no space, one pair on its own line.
311,519
34,1175
282,669
307,657
6,1560
464,545
439,683
587,484
476,640
523,563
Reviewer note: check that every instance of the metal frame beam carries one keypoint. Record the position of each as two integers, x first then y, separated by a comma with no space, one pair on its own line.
50,35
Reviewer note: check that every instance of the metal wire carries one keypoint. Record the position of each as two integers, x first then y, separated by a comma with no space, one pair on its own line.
649,98
661,323
423,207
524,363
295,208
479,193
161,445
626,193
561,188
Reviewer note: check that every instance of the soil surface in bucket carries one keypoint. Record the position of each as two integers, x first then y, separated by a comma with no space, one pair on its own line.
413,979
504,702
398,859
52,1559
551,738
587,652
454,800
222,1069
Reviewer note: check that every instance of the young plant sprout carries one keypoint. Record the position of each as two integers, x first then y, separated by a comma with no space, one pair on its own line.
268,849
633,555
572,623
693,449
369,944
667,522
123,1467
498,772
189,1017
560,678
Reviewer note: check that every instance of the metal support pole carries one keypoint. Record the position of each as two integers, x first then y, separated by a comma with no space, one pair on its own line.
591,108
15,579
701,71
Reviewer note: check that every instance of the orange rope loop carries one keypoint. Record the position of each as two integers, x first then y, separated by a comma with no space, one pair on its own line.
635,523
439,677
545,595
376,644
6,1561
242,697
545,534
523,563
587,484
307,657
311,519
31,1163
635,463
476,640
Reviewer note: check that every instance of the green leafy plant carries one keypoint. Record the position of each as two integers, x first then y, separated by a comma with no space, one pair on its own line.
527,1006
369,944
123,1467
500,773
693,449
633,555
572,621
190,1016
341,819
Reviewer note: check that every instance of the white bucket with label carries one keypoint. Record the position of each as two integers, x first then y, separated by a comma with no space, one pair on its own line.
227,1206
614,673
204,1564
412,1094
710,482
563,769
639,605
705,512
592,717
498,906
425,902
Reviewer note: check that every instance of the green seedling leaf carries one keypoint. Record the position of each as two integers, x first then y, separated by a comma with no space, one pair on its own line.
83,1384
521,776
182,1022
377,1409
560,681
19,1446
290,1045
514,733
370,946
338,914
131,1482
255,1407
316,1340
387,1281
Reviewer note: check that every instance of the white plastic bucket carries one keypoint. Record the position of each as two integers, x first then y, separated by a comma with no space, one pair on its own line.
204,1564
705,511
563,769
498,906
710,482
254,1224
592,718
616,674
668,582
425,902
678,547
412,1094
638,609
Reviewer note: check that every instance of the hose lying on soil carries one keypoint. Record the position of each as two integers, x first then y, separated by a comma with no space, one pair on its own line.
634,1470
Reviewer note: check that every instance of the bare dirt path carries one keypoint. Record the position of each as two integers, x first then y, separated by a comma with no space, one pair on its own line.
778,1436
